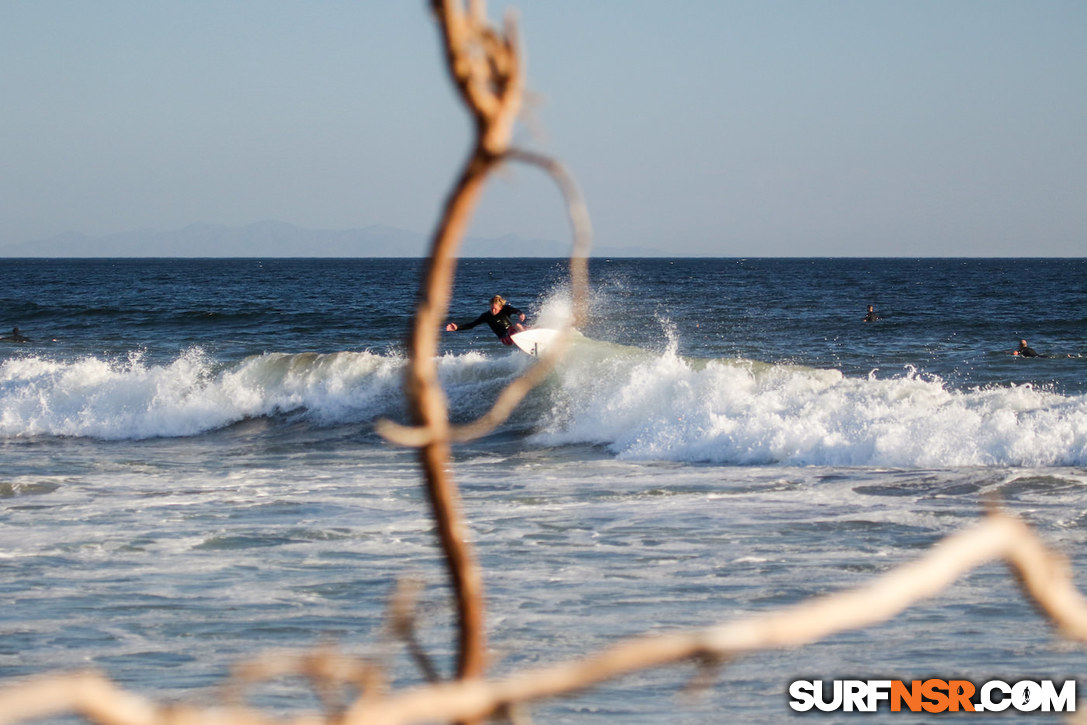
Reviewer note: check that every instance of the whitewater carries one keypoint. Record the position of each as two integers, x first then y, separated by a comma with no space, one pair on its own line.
641,405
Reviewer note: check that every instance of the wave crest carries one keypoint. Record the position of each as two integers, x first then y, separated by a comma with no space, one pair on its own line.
639,404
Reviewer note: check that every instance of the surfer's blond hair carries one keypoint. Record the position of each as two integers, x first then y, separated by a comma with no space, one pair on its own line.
498,300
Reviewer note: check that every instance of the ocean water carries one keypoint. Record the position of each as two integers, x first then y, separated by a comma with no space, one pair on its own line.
190,475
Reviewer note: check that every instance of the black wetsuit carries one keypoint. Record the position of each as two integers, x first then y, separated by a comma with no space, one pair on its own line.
499,323
1028,352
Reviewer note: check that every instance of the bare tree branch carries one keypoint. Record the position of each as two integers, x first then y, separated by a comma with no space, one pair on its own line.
401,620
487,71
84,693
327,672
1044,576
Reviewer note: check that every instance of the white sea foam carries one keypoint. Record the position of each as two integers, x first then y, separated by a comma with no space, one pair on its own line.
641,405
130,400
661,406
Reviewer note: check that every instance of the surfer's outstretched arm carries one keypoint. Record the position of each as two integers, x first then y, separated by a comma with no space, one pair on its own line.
453,326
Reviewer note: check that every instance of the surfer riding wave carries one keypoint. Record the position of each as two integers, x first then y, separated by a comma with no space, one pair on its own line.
498,318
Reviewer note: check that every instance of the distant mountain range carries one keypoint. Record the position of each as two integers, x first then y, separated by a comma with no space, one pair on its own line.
279,239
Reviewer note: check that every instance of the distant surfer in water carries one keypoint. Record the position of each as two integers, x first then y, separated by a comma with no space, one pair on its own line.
498,318
15,336
1025,351
871,316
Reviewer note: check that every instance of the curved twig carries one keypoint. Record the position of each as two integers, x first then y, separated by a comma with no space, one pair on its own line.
401,622
324,668
580,223
515,391
581,228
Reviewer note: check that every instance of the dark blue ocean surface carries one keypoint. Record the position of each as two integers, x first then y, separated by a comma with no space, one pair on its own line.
956,318
191,475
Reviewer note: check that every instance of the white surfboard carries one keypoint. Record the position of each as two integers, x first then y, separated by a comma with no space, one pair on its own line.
536,340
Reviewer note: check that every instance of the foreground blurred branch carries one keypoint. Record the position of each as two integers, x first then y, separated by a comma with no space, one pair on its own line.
1043,575
487,70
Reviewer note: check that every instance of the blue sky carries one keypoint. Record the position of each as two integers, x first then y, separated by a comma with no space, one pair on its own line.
721,128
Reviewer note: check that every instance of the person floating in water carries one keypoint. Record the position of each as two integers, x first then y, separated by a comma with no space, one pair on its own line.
871,316
15,336
498,318
1025,351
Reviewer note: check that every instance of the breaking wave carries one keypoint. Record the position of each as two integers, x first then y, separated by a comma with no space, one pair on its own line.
638,404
